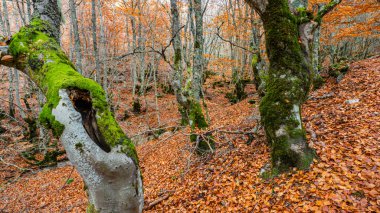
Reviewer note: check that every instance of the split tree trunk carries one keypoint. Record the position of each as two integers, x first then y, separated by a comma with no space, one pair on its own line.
77,111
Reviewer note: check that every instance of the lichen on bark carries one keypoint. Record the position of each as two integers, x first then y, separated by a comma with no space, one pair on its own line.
286,89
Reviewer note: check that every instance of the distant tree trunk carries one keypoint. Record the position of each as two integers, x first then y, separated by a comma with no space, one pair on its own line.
177,81
198,59
7,30
133,63
103,50
11,98
141,47
196,118
77,111
257,63
29,9
2,24
94,41
136,100
289,80
17,92
154,67
21,11
6,18
77,44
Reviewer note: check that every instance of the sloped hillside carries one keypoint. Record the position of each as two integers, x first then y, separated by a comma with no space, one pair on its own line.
343,122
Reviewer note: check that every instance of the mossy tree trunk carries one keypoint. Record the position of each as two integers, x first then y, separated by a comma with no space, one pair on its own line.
177,79
188,94
288,36
77,112
195,113
286,89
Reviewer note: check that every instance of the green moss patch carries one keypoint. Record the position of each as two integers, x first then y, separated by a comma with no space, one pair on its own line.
51,70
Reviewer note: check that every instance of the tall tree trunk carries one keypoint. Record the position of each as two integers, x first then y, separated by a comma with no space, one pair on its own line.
94,41
103,50
177,81
7,30
256,59
286,89
78,112
196,118
288,38
21,11
29,9
77,45
17,92
133,63
198,51
141,47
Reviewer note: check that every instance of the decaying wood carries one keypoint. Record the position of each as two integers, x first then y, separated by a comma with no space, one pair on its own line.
82,102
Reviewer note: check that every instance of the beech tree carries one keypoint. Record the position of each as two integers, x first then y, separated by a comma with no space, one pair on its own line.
289,30
189,95
77,111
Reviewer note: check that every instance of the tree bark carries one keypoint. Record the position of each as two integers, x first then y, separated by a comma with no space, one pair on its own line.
198,50
288,37
77,111
103,50
177,81
286,89
7,30
77,45
94,41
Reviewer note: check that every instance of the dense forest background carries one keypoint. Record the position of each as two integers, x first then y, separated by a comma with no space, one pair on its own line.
138,49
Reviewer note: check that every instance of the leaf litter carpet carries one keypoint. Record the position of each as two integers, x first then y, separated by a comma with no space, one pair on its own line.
343,125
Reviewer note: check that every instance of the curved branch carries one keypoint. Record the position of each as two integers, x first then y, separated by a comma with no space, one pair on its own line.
152,50
258,5
326,9
232,43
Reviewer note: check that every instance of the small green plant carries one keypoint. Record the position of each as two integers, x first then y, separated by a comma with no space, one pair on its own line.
70,180
338,68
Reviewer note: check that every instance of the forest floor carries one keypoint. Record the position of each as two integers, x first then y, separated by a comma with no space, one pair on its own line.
343,125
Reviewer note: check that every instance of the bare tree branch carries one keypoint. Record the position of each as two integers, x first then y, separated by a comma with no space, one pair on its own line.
152,50
326,9
230,42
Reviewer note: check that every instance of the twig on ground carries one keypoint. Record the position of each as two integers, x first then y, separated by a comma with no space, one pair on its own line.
159,200
68,178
